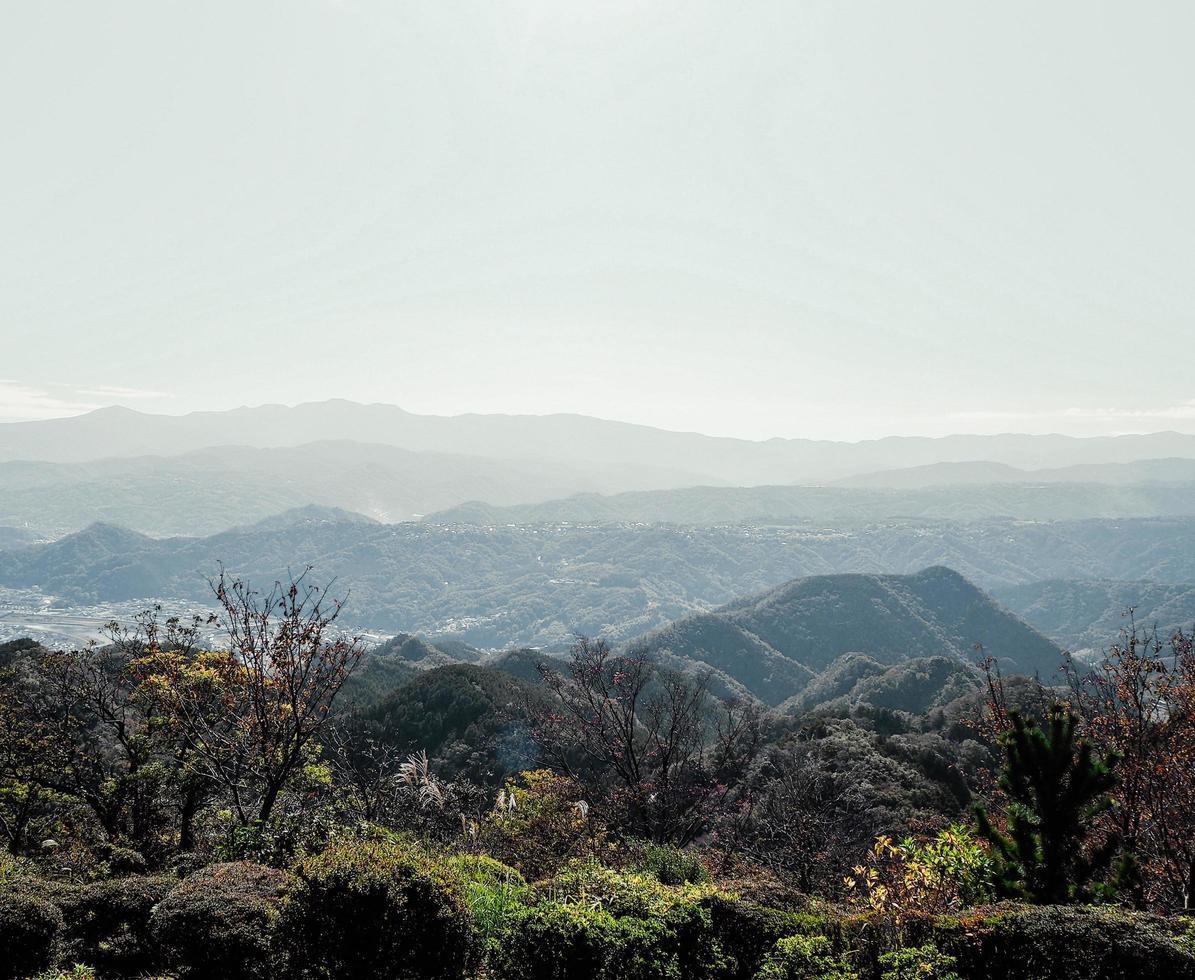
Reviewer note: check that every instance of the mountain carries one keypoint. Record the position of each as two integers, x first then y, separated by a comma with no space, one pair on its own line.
917,685
472,720
498,586
16,537
983,472
843,506
210,490
1089,615
395,662
773,645
589,442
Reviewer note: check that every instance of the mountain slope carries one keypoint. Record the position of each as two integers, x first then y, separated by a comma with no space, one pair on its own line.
979,473
536,585
587,441
844,506
472,720
209,490
1083,614
773,645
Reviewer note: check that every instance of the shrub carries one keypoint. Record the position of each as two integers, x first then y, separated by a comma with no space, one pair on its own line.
493,891
108,922
594,921
747,933
12,868
671,865
1072,943
559,942
918,963
949,871
588,882
29,929
77,972
115,861
804,958
572,941
379,909
216,923
1186,934
540,822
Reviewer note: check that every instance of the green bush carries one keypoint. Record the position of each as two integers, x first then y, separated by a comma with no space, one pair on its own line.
554,941
217,922
1186,934
559,942
594,921
747,933
635,893
494,892
379,909
107,923
29,930
538,824
1071,943
79,971
671,865
925,962
804,958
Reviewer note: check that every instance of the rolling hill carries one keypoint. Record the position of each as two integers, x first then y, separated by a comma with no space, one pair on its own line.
844,506
1089,615
1175,470
211,490
774,645
497,586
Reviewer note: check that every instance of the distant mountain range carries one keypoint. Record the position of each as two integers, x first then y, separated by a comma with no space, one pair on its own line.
772,646
209,471
1173,470
210,490
496,586
842,506
1089,615
590,442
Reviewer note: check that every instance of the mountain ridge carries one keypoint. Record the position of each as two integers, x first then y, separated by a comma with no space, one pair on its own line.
775,643
125,432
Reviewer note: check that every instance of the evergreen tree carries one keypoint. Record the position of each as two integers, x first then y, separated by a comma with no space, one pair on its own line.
1056,788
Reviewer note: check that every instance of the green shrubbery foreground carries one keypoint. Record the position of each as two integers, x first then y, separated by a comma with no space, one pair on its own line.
387,907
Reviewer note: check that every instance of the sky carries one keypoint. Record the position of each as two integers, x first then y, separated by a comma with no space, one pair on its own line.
820,219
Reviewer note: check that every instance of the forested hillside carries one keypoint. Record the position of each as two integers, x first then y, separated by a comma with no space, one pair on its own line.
848,506
496,586
774,645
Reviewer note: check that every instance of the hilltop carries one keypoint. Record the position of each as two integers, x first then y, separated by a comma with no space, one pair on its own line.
774,644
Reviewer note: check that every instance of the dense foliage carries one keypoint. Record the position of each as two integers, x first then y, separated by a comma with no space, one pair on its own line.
172,809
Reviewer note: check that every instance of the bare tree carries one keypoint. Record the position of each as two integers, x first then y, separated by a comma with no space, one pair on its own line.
1138,702
806,822
648,733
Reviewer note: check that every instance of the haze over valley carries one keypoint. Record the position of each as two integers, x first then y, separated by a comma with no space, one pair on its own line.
531,530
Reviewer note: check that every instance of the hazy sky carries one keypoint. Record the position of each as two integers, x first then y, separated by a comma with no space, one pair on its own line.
836,219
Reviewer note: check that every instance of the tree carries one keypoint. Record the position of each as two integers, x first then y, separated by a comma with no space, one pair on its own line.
651,734
1138,703
1056,788
251,715
807,820
76,729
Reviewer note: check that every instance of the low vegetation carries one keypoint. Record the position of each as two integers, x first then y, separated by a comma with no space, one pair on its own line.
172,810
